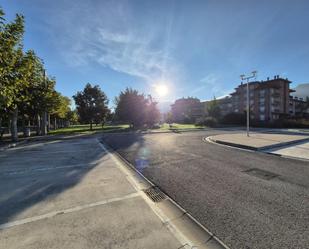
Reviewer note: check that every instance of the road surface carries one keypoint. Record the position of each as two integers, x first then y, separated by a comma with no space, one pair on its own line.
248,199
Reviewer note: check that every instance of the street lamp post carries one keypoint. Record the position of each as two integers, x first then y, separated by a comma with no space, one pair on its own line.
248,77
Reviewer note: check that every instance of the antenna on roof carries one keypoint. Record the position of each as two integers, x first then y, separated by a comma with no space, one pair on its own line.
254,73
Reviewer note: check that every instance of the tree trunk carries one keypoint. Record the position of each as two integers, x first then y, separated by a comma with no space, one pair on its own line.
23,125
1,130
48,122
10,126
14,132
44,124
55,124
38,125
91,125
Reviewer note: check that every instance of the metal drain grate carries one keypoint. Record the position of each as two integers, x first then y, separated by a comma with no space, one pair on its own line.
263,174
155,194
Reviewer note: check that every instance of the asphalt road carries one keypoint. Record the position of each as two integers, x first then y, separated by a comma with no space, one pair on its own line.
224,188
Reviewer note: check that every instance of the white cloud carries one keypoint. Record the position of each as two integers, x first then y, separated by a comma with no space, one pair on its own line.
210,83
126,53
212,86
110,35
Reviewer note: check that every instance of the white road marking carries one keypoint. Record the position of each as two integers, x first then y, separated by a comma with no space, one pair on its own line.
43,152
17,172
65,211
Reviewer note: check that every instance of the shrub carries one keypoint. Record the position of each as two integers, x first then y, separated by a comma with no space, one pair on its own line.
282,123
290,123
234,118
209,121
156,126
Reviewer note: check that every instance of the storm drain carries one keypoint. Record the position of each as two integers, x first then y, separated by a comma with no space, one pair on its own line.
155,194
263,174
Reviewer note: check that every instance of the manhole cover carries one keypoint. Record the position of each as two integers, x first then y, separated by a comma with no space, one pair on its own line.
155,194
266,175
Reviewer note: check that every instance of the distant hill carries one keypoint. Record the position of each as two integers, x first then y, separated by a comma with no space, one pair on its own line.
164,106
302,91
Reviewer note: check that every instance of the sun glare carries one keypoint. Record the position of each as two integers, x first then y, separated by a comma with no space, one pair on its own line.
161,90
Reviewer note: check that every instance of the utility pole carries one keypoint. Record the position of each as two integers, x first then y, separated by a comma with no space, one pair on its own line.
248,77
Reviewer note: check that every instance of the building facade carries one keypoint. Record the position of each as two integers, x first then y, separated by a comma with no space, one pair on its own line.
268,100
298,107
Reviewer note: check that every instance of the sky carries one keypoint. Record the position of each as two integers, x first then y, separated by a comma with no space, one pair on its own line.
195,48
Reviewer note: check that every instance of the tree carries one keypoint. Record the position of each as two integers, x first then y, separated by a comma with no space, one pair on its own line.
72,117
213,109
130,107
12,67
186,109
152,113
135,109
25,91
40,95
169,118
91,104
61,110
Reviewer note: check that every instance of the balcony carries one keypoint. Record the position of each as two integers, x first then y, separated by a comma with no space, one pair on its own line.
276,111
275,103
276,95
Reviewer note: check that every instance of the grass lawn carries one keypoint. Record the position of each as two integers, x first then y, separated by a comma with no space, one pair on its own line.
176,126
86,129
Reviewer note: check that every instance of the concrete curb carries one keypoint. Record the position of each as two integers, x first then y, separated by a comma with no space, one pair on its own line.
288,157
12,145
198,235
255,148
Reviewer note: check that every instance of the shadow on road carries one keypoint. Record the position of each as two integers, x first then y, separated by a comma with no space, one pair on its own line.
133,142
33,175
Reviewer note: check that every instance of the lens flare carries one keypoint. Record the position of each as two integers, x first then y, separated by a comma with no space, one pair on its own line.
161,90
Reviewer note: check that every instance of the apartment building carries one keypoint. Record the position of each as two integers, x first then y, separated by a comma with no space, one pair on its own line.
268,100
298,107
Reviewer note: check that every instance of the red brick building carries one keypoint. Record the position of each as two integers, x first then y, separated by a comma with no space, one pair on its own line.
269,100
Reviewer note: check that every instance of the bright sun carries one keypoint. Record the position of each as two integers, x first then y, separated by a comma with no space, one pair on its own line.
161,90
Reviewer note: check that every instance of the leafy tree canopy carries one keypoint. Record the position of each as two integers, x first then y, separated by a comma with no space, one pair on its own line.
134,108
213,109
91,104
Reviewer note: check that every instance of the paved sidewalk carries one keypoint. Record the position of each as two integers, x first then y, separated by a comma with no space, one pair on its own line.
71,194
299,151
258,141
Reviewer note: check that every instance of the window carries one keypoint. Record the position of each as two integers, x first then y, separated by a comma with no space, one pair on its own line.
262,117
